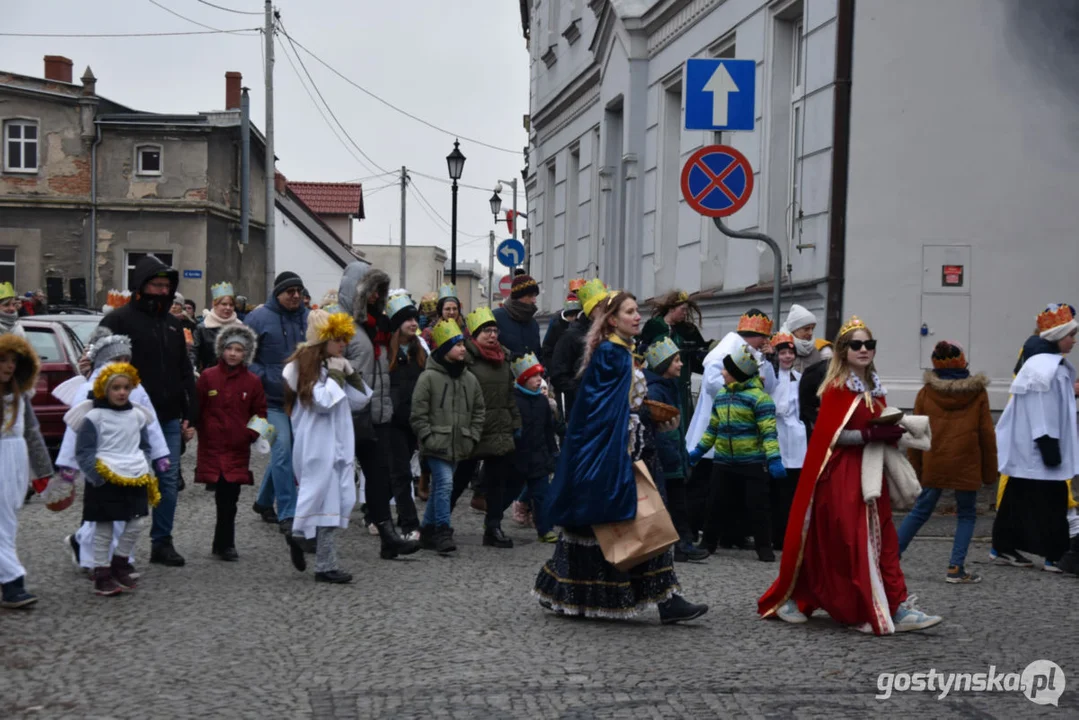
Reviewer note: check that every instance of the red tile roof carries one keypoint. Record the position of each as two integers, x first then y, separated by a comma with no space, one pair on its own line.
330,198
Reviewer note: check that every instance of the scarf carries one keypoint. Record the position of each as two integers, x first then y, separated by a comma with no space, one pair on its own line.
7,322
495,355
804,348
212,320
380,336
519,311
952,373
455,369
526,391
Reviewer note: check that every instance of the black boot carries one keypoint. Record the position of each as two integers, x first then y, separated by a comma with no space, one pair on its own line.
494,537
427,537
14,594
1069,561
392,543
677,610
163,553
444,540
295,551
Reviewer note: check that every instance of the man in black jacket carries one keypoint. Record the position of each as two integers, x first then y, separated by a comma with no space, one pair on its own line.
565,363
159,353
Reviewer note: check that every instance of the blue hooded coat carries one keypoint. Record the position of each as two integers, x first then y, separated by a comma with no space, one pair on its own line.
279,331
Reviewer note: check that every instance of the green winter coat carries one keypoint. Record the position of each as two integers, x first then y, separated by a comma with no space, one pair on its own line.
502,416
447,413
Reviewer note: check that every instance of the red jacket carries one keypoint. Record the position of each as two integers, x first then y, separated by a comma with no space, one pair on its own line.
228,397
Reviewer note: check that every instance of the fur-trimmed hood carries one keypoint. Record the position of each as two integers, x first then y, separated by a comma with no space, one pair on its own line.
953,395
233,333
358,282
27,363
971,384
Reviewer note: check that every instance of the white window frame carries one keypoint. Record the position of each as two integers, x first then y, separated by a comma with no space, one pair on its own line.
13,264
797,126
139,170
22,122
129,266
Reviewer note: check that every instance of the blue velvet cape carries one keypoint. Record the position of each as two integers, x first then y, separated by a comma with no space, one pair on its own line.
594,482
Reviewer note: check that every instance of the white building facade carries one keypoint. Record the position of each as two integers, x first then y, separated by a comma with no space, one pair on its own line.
883,167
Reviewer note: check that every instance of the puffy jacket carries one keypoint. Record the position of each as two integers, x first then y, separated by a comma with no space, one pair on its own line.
742,428
447,413
206,341
279,331
502,417
557,328
518,337
964,453
228,398
158,348
670,446
808,400
403,379
567,359
537,450
357,283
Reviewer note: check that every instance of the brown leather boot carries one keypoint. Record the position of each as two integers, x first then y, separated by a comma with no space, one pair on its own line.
121,573
424,490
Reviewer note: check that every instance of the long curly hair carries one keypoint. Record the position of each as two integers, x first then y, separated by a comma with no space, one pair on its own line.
838,369
665,303
308,359
414,351
601,326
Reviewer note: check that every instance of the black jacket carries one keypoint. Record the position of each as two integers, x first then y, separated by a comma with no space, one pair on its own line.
555,330
536,448
567,357
403,379
158,347
808,401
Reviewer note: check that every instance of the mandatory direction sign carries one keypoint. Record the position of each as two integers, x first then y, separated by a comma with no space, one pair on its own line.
720,94
717,181
505,285
511,252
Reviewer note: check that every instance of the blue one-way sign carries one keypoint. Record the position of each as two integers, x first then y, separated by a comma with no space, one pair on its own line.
510,253
720,94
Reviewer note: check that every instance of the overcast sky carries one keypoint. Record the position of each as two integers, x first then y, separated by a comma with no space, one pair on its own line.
461,65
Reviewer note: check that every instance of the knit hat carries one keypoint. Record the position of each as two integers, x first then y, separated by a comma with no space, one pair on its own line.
573,304
399,308
177,299
523,286
323,327
798,318
525,367
479,319
659,355
108,348
285,281
754,322
591,293
1057,322
741,364
948,355
237,334
7,291
783,340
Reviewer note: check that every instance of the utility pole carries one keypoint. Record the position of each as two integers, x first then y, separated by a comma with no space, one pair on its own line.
404,262
271,249
491,272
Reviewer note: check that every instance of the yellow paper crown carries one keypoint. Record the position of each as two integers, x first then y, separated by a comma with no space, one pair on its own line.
1054,316
855,323
660,352
479,317
446,331
7,291
591,293
114,370
759,324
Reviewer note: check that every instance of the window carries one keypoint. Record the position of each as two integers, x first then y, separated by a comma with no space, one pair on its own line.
45,344
7,265
20,146
148,158
797,125
133,259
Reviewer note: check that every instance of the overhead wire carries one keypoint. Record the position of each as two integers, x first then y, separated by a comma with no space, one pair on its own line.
238,31
231,10
170,11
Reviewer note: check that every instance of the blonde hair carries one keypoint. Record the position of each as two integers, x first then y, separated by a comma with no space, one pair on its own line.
600,330
838,368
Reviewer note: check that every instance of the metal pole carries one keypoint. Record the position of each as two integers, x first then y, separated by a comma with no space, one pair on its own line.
491,271
271,247
777,258
404,262
453,237
245,167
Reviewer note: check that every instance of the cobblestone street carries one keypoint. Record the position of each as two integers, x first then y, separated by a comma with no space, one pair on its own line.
461,638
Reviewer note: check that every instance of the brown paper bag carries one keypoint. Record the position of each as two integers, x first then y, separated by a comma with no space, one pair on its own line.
629,543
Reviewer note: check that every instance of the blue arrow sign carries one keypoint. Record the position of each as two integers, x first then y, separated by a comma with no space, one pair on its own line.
511,252
720,94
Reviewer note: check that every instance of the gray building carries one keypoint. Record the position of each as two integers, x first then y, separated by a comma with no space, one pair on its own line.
88,186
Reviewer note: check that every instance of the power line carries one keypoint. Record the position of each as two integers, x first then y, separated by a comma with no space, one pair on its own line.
130,35
368,193
444,181
394,107
238,12
170,11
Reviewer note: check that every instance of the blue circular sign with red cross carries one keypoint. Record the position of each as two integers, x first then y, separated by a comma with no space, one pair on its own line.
717,181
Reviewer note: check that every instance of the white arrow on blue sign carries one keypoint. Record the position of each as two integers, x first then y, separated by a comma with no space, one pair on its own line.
510,252
720,94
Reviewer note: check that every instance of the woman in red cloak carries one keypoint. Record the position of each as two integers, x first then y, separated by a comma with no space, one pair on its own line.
840,553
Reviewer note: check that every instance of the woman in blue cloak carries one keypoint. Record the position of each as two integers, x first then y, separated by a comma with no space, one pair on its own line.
595,484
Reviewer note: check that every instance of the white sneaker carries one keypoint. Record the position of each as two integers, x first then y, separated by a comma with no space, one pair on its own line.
908,617
372,529
414,536
790,613
1051,567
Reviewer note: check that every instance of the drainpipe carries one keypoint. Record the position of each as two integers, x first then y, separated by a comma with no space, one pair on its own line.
91,275
245,167
837,210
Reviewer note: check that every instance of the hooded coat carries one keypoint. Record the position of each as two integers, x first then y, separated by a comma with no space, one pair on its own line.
278,331
502,418
158,347
228,398
373,363
567,360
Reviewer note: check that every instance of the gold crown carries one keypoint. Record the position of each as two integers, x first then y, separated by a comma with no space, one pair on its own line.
446,331
114,370
759,324
1051,318
683,296
222,289
855,323
591,293
479,317
7,291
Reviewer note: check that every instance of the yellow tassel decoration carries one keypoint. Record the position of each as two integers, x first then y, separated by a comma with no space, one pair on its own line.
113,370
339,326
147,481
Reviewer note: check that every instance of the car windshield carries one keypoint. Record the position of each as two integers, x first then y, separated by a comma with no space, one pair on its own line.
45,344
82,326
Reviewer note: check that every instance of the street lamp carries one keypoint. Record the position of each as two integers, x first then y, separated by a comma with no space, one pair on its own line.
455,162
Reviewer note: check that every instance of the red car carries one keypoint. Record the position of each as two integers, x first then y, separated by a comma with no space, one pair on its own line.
59,349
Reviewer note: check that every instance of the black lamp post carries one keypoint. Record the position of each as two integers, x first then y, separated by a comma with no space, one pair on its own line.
455,161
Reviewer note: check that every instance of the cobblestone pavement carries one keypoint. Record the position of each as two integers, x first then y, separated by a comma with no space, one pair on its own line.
431,637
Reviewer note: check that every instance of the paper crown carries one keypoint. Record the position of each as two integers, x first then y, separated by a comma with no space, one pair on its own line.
111,372
396,303
526,366
758,324
572,304
1055,316
263,427
428,303
478,318
591,293
447,291
660,352
855,323
7,291
683,296
446,331
117,299
742,361
575,284
782,338
332,308
222,289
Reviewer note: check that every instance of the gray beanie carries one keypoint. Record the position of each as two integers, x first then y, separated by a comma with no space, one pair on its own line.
108,348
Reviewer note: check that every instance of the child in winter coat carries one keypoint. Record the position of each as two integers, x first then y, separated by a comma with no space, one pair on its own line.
793,440
964,453
742,430
232,411
19,435
536,447
322,390
663,371
110,447
447,418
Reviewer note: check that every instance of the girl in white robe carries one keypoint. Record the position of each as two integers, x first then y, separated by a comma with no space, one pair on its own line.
793,440
321,392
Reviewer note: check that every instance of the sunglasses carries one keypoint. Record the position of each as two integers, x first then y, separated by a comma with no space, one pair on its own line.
857,345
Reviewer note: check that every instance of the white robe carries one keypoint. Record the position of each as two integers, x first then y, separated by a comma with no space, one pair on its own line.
324,453
712,383
14,480
791,429
1042,403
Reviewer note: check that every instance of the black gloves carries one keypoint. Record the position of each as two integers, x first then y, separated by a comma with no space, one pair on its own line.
1050,450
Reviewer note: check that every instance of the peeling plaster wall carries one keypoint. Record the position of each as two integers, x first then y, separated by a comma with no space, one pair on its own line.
118,232
183,167
63,155
246,270
48,242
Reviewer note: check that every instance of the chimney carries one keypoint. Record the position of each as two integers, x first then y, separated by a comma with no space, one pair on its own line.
280,183
58,67
233,81
89,82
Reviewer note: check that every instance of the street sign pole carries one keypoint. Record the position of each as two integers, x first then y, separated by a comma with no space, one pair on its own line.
777,261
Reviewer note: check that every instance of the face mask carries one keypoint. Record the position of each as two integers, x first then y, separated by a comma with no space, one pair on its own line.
158,305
